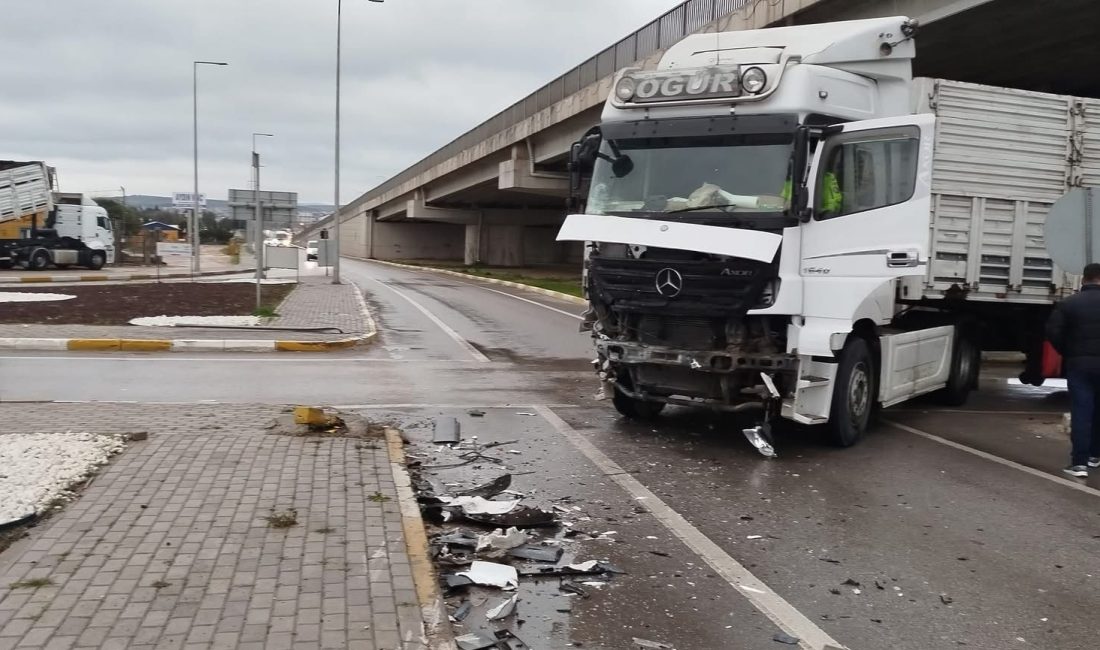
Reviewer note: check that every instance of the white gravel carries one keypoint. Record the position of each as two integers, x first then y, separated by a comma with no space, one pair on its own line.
17,296
37,469
200,321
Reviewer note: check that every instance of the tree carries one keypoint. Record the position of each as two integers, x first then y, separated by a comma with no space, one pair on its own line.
125,220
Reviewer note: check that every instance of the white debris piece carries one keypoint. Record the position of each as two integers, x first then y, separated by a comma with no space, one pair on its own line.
583,566
481,506
492,574
37,469
197,321
501,540
20,296
503,610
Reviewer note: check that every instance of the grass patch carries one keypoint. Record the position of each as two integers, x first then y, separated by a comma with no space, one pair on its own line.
284,519
33,583
378,497
266,311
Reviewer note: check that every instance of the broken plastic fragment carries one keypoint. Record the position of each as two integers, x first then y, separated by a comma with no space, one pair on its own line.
490,489
760,439
480,505
501,540
506,608
491,574
646,644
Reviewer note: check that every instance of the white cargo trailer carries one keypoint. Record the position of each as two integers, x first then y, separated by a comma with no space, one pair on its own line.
784,221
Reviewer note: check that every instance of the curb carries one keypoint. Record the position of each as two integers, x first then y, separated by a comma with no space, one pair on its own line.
196,345
100,277
437,626
507,283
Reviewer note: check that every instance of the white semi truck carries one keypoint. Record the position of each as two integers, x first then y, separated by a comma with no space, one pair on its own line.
40,226
785,221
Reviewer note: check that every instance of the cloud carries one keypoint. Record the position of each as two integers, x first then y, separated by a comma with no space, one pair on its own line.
103,90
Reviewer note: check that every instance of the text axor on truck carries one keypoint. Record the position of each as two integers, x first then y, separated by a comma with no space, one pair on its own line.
783,220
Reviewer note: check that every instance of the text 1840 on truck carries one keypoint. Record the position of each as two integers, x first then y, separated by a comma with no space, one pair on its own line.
783,221
40,226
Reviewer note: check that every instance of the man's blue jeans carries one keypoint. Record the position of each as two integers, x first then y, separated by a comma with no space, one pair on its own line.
1084,395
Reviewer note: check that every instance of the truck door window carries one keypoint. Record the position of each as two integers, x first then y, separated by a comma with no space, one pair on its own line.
866,170
103,222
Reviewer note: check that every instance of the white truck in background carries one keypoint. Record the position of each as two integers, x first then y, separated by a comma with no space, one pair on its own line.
40,226
785,221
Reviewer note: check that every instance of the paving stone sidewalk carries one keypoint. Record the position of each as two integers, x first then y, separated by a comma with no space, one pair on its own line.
316,302
168,547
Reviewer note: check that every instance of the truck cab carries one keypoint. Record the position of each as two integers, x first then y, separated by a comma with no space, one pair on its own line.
750,209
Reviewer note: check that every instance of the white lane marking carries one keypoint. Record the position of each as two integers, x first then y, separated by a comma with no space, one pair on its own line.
771,604
474,352
1065,482
975,412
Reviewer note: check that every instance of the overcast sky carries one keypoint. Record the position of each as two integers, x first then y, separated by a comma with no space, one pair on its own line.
102,89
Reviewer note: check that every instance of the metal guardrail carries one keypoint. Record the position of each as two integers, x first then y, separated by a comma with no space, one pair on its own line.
666,30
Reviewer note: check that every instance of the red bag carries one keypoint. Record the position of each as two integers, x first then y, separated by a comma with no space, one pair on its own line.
1052,362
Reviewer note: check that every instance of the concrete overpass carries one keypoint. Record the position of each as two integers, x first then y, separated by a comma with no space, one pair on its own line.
496,194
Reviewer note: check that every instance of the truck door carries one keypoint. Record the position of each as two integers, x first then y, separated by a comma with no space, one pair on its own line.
872,200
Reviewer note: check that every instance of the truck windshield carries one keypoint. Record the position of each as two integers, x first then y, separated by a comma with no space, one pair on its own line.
726,173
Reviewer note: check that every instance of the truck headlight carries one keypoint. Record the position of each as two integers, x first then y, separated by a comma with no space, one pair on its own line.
753,80
624,90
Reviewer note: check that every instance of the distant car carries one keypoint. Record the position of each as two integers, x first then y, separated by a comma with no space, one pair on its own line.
311,250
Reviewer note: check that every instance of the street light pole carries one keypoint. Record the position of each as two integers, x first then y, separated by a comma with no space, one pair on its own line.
195,240
336,202
258,234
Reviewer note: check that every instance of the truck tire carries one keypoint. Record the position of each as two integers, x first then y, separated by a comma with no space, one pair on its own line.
636,409
6,264
966,363
39,260
96,260
853,394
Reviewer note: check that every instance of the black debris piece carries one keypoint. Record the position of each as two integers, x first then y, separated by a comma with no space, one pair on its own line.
571,587
463,611
851,583
473,641
476,413
537,553
946,600
834,590
458,538
783,637
646,644
520,517
879,585
829,560
580,569
661,553
488,490
446,431
454,581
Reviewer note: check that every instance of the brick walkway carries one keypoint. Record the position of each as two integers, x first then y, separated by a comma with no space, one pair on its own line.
168,547
315,303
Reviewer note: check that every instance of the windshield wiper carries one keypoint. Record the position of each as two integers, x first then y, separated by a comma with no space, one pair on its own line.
706,207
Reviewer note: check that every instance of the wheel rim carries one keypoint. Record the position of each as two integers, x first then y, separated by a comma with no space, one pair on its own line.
859,391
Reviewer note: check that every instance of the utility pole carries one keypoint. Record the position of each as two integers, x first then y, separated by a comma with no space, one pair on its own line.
195,239
258,236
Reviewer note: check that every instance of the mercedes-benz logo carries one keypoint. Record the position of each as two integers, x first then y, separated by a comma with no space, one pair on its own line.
669,283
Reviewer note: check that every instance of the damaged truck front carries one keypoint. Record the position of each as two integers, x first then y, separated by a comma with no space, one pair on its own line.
751,211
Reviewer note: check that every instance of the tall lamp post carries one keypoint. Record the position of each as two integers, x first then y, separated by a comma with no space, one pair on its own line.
336,203
258,235
195,240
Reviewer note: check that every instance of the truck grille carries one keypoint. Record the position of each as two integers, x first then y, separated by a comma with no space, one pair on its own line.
711,288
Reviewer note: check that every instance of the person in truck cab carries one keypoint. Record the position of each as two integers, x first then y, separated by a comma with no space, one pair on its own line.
831,197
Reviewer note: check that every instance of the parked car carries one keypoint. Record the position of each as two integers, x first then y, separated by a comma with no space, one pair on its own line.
311,250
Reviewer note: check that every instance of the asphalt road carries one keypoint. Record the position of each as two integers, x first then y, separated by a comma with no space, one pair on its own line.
954,523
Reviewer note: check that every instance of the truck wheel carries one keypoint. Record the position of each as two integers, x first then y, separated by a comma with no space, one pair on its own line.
636,409
966,363
39,261
853,394
96,261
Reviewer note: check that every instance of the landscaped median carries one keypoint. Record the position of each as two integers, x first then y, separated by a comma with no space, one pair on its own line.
311,316
548,282
37,278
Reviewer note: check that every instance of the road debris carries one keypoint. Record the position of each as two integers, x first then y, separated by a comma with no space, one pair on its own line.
487,490
783,637
504,609
491,574
447,431
500,540
480,505
537,553
570,587
646,644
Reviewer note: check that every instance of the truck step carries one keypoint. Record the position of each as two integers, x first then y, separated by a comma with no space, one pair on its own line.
810,381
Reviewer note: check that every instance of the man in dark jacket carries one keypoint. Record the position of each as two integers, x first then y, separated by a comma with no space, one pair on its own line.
1074,330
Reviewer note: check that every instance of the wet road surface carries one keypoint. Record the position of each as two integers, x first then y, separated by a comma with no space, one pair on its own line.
954,522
